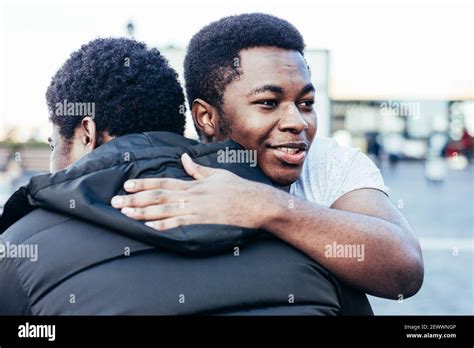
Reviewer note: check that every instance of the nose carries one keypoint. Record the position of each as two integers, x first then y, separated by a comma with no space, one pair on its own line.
291,120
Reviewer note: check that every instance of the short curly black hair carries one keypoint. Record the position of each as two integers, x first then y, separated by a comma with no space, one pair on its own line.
133,89
209,65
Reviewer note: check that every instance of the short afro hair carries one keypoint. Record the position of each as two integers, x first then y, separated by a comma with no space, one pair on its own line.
209,63
133,89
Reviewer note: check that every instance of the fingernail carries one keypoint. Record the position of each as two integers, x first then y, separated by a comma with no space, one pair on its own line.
117,200
128,211
129,184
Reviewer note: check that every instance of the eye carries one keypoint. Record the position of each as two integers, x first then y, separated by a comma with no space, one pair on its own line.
268,103
307,104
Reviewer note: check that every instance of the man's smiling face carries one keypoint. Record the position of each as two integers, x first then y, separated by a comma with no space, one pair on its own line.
269,108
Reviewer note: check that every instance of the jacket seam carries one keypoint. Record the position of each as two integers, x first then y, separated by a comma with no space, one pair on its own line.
148,138
45,229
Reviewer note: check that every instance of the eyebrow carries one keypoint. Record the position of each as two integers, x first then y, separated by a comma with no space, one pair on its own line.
307,89
279,90
266,88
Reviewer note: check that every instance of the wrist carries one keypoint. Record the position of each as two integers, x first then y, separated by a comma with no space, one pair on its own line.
276,205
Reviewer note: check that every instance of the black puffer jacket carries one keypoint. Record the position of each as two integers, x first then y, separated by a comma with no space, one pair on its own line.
94,260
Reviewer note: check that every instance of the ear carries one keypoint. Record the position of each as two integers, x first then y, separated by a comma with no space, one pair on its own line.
88,133
205,117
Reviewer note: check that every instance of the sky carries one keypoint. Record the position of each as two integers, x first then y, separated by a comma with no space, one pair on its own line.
378,49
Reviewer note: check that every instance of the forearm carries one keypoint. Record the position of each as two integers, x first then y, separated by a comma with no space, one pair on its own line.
389,260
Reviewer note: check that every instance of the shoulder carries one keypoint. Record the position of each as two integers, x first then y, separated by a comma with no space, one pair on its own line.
327,154
321,170
331,170
321,146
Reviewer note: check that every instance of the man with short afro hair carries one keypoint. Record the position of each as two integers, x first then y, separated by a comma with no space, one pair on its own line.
133,88
212,60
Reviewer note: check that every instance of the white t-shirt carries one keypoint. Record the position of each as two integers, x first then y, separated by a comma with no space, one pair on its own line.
330,171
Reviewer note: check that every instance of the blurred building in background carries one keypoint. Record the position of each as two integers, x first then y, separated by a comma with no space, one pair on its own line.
396,130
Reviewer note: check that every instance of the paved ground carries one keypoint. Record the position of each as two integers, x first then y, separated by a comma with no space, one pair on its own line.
443,219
